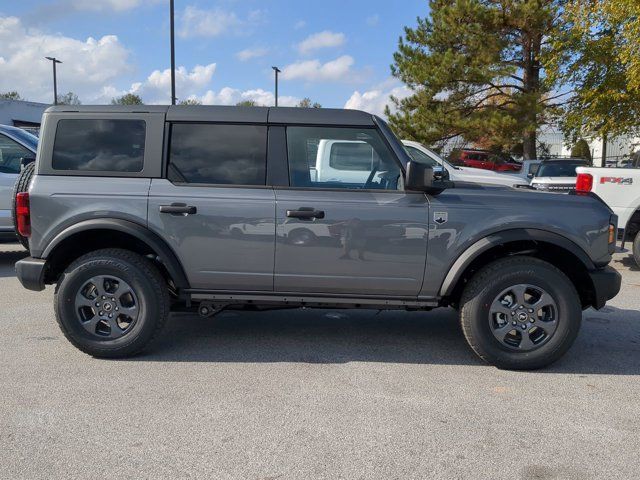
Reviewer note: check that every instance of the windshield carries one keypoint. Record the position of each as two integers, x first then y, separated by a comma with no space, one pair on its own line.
431,158
30,141
559,169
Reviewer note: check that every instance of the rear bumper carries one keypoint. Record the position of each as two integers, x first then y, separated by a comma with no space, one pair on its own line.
606,282
30,272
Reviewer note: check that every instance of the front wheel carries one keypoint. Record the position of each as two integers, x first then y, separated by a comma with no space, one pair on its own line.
636,249
520,313
111,303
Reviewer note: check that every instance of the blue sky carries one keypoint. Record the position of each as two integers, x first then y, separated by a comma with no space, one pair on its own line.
335,52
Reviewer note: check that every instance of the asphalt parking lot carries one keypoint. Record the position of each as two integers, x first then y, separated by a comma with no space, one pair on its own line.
315,394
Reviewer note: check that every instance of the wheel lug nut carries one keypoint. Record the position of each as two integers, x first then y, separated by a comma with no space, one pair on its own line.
110,315
97,304
521,306
524,327
117,309
514,323
101,313
531,310
103,297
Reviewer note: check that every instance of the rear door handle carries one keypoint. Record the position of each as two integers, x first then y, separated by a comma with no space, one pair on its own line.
178,209
305,213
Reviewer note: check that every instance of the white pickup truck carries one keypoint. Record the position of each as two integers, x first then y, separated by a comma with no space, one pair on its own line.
620,189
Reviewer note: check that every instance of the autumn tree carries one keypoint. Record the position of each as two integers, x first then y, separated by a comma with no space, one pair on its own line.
308,103
597,57
475,69
69,98
127,99
10,96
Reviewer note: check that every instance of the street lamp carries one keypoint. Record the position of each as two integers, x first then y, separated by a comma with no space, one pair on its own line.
277,71
55,79
173,53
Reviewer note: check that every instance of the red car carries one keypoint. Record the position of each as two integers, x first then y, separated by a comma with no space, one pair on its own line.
488,161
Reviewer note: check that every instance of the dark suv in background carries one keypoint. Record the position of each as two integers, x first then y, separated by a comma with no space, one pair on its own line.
137,211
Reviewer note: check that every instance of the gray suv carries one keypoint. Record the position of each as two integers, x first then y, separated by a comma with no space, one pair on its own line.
135,212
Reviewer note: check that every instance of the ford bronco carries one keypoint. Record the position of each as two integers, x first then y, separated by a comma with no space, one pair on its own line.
135,212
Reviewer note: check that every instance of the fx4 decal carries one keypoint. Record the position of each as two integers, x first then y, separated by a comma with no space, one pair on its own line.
617,180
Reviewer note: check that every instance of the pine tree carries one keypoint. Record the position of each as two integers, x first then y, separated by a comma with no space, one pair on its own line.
476,69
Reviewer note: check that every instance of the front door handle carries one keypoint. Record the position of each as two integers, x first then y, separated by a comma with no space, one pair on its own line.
305,213
178,209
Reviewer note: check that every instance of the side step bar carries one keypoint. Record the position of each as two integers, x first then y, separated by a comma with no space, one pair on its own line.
309,300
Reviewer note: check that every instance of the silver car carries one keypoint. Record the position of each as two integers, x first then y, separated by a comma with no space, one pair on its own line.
17,147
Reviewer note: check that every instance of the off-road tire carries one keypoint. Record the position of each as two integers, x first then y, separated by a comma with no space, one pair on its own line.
21,185
636,249
143,277
486,285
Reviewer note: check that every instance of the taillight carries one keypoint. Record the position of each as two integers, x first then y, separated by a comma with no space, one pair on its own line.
23,214
584,183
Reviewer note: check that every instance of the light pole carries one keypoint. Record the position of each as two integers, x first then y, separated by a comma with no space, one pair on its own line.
277,71
55,61
173,53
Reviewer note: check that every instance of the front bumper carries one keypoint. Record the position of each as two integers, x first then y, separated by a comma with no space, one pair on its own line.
30,272
606,284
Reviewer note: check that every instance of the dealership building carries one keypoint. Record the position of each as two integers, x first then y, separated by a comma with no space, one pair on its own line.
18,113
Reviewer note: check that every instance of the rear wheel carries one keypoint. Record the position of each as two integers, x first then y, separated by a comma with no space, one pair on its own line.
636,249
111,303
520,313
21,185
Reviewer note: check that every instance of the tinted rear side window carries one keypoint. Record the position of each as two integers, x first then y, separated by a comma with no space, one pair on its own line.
218,154
99,145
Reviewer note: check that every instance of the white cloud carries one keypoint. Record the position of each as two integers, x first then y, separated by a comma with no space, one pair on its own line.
315,71
249,53
117,5
207,23
88,65
157,87
232,96
197,22
375,100
326,39
299,25
373,20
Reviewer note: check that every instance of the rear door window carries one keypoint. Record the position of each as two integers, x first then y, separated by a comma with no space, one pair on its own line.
215,154
99,145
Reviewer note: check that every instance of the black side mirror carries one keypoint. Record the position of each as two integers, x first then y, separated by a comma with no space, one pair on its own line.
420,178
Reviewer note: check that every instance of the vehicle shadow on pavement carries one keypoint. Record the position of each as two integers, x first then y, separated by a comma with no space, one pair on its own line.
8,259
609,341
629,262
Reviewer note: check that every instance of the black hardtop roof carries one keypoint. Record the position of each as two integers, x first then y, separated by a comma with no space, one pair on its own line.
206,113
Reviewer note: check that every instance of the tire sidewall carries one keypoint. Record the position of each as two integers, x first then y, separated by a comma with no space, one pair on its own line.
149,311
636,249
569,316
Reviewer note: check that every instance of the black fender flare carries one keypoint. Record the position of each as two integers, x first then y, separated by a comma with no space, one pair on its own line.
166,254
493,240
